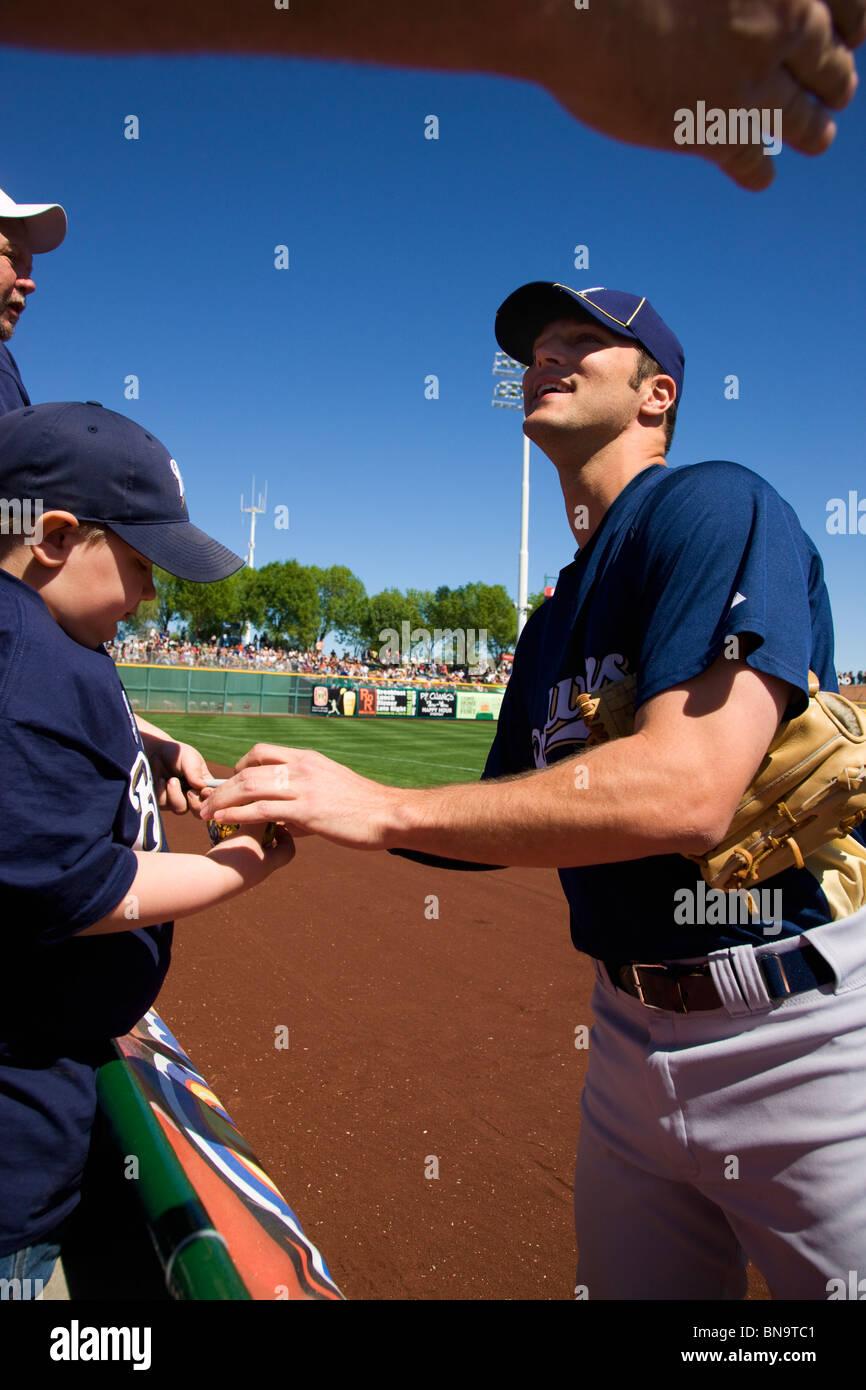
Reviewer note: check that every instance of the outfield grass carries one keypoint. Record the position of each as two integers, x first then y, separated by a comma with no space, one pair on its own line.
404,753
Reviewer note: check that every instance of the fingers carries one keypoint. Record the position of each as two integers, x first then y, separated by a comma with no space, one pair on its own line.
171,795
248,788
747,165
849,18
256,812
263,753
798,121
192,767
805,125
822,63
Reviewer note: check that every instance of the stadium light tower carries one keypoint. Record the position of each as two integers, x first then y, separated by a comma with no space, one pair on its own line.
508,393
254,511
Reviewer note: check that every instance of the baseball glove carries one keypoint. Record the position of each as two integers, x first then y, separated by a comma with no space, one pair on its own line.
810,788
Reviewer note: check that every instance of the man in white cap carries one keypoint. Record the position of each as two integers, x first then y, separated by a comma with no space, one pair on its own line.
26,230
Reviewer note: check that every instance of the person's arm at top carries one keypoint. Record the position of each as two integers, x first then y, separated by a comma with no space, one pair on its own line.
670,788
622,66
170,886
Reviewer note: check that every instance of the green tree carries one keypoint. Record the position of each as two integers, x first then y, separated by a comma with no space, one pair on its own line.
170,596
208,606
536,600
289,599
387,612
476,608
250,600
342,600
147,615
204,607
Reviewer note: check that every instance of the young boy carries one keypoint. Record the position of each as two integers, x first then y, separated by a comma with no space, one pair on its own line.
87,894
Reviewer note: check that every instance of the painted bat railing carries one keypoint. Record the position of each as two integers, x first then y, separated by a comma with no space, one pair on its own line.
221,1228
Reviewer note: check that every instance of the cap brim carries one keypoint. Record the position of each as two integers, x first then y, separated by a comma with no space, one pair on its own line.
180,549
45,223
528,310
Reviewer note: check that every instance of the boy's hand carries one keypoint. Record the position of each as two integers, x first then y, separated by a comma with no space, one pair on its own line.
249,858
179,773
179,770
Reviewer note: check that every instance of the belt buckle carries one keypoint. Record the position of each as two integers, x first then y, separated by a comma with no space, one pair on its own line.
635,966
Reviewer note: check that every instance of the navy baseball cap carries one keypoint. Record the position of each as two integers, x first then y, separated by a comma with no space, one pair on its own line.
531,308
79,457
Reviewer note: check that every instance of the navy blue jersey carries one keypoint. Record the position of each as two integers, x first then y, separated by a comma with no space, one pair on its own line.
684,561
76,801
12,392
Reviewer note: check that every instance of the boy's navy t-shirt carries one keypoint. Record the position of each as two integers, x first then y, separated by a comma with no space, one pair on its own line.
76,800
684,561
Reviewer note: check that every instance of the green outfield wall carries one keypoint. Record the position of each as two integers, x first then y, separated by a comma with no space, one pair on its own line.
210,690
188,690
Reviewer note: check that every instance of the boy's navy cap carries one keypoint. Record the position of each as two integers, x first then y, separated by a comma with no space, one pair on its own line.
531,308
79,457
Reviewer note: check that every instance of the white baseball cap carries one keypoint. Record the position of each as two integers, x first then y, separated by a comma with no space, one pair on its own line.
45,222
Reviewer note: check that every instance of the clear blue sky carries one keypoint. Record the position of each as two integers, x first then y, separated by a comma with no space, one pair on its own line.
400,251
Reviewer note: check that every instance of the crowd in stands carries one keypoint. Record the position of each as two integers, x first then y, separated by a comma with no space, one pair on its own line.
163,649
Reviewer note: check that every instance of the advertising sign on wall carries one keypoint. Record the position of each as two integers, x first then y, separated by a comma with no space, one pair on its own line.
395,701
477,704
437,704
334,699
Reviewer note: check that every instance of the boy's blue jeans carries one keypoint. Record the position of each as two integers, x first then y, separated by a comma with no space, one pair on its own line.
24,1274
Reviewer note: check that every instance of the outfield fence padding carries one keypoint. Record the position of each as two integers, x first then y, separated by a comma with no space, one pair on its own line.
194,690
209,690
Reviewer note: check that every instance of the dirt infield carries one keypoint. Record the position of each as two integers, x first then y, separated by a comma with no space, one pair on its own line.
411,1039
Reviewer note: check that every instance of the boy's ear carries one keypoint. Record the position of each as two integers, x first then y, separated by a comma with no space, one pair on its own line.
53,538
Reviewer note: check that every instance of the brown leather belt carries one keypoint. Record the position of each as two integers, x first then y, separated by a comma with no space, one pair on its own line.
685,989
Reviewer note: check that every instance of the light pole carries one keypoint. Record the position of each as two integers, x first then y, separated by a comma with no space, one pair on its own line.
254,511
508,393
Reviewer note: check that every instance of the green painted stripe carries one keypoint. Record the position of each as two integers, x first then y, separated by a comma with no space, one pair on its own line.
189,1248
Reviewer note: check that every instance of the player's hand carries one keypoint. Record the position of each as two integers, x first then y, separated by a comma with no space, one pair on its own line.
651,58
308,793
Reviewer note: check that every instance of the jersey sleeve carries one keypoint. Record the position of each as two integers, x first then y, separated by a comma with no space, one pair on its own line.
10,394
61,868
511,750
722,565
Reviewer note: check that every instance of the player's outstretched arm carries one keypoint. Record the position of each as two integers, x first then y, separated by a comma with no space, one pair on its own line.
671,788
625,67
170,886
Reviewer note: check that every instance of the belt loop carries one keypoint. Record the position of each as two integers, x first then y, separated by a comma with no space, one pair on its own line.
737,976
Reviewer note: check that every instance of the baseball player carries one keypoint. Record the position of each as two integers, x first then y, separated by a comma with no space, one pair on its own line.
26,229
724,1112
88,895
